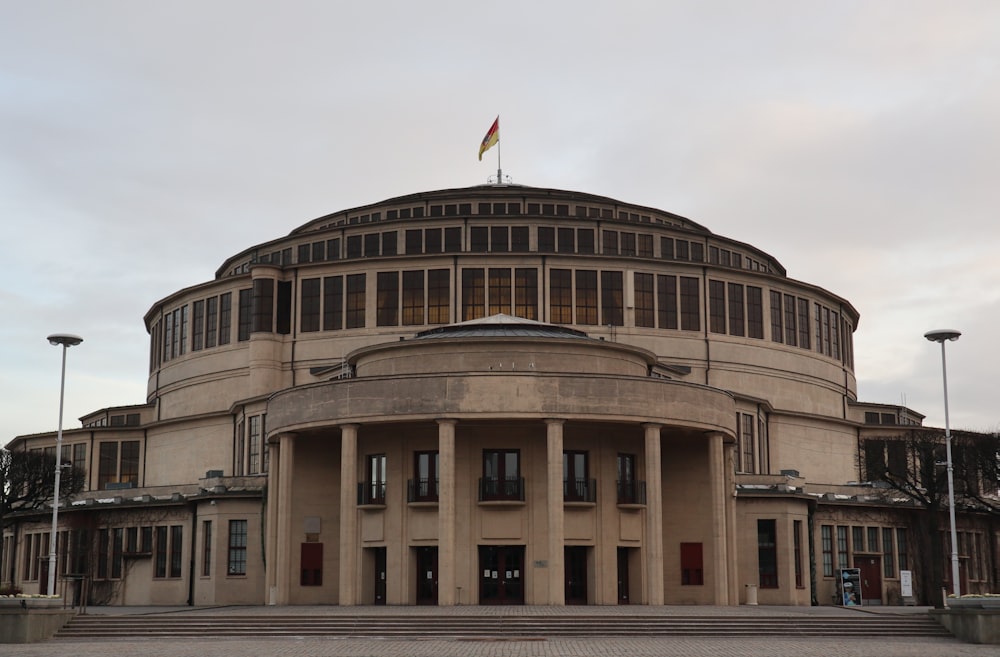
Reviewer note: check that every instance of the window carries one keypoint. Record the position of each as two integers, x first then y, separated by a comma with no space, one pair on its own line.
225,317
373,490
452,239
609,242
901,549
333,303
755,312
243,326
612,311
519,237
644,312
413,298
309,312
576,486
438,296
566,240
716,307
803,323
692,564
737,324
767,554
560,296
526,293
237,547
888,552
479,239
499,292
826,533
387,308
424,487
690,304
176,549
414,241
355,315
585,240
546,239
842,560
797,538
499,240
206,548
666,301
586,297
473,294
160,553
630,489
501,476
198,328
263,306
748,462
118,463
254,442
311,564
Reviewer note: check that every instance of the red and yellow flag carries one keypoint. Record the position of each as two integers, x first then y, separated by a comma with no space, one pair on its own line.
491,138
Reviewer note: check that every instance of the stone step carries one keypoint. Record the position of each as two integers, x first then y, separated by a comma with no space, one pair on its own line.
220,625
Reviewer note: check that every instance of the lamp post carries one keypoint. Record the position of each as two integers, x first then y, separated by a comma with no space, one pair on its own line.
65,340
943,336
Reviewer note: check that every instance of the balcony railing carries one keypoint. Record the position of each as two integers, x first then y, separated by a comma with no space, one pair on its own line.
422,490
496,488
631,491
372,492
580,490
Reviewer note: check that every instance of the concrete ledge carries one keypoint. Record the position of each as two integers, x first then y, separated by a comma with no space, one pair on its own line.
971,625
31,625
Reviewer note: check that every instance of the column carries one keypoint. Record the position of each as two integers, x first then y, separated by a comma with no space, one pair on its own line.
654,516
446,514
717,481
283,526
557,529
349,566
271,540
730,493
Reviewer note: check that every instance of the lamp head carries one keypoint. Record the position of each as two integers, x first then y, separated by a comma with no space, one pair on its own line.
64,339
941,335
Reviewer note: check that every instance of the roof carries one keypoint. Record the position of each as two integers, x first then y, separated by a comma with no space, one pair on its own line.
501,325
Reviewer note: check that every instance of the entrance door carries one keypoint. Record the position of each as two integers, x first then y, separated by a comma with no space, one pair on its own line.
427,575
501,570
623,597
871,579
575,558
379,554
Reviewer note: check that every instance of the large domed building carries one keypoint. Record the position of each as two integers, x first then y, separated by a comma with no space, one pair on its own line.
492,395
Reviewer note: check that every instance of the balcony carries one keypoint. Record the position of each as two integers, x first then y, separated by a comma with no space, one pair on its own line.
580,490
422,490
371,493
510,489
631,492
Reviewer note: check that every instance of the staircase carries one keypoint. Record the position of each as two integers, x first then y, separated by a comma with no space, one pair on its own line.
221,625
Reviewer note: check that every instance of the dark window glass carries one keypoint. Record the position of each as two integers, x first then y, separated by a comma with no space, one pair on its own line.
211,321
803,322
560,296
566,240
198,325
160,553
692,564
318,251
107,466
645,247
283,317
432,237
697,252
576,485
737,322
717,306
546,239
310,305
500,291
355,315
453,240
438,296
690,304
129,466
682,252
767,554
755,312
777,330
644,310
609,239
628,244
372,245
226,316
667,248
499,239
413,297
206,548
501,475
612,307
585,240
237,547
425,477
586,297
790,331
354,246
373,490
304,251
333,249
473,294
387,308
389,241
666,293
519,239
479,237
414,241
176,549
526,293
263,306
333,303
246,305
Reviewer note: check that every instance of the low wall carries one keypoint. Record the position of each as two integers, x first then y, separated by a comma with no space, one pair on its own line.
29,625
971,625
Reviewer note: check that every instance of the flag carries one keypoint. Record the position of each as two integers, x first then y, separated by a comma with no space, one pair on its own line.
491,138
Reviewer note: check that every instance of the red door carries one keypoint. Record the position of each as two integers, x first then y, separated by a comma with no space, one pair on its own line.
871,578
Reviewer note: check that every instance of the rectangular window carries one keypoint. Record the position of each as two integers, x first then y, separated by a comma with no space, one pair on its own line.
826,533
499,291
612,310
904,557
333,249
803,323
254,440
389,243
355,315
263,306
546,239
560,296
797,538
161,553
499,239
842,561
184,330
128,468
566,240
519,239
425,477
310,305
473,294
526,293
354,246
311,573
645,246
666,301
226,317
479,239
245,306
433,242
888,552
373,490
453,240
667,248
176,549
609,242
585,241
716,306
103,551
748,460
858,539
413,298
387,302
873,539
333,303
692,564
586,297
645,314
211,321
755,312
790,330
371,245
198,325
777,330
501,475
237,547
283,316
690,304
414,241
239,453
736,310
107,465
438,296
206,548
767,553
576,485
630,489
628,244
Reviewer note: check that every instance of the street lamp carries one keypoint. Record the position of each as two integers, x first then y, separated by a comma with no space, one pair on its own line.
65,340
942,336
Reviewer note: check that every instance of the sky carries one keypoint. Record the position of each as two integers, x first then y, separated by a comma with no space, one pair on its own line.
142,143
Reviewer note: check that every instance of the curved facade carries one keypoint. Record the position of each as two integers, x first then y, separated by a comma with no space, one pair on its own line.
491,395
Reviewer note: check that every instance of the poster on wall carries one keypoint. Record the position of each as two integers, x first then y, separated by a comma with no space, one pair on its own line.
849,587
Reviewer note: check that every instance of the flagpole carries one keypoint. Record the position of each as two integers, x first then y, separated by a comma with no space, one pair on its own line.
499,171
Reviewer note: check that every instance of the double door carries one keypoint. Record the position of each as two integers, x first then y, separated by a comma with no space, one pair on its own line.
501,574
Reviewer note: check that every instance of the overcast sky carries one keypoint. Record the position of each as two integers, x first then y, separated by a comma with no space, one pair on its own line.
142,143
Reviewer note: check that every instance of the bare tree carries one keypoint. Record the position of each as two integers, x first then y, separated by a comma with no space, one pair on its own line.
28,479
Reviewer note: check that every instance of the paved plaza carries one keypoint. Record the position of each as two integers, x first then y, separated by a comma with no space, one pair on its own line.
506,647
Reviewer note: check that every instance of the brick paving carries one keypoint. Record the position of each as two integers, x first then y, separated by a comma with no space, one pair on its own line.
492,647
